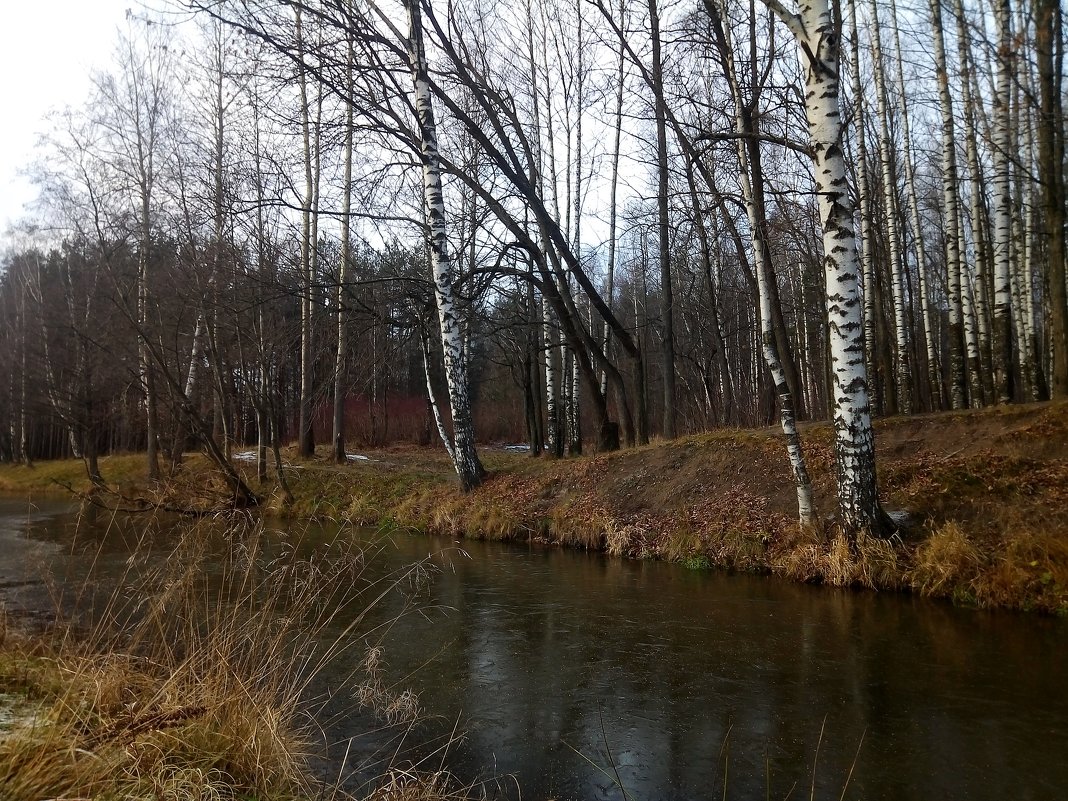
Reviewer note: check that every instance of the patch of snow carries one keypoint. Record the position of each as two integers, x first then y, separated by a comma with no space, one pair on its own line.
899,516
244,456
356,457
15,710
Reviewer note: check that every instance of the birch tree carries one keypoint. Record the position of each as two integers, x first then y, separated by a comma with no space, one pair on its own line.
462,450
866,241
1002,339
341,354
132,112
903,367
952,218
817,33
747,149
934,372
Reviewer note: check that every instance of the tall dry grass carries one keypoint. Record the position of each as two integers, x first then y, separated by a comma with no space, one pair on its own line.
830,557
948,562
190,677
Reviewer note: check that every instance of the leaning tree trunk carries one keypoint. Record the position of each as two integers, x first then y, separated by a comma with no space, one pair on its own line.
816,31
747,152
464,456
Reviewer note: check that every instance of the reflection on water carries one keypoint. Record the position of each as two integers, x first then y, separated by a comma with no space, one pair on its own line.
551,660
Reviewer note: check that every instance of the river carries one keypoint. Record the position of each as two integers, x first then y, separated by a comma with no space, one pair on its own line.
587,677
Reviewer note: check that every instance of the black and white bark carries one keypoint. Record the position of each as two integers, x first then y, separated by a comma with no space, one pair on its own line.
866,241
903,365
464,456
951,210
977,313
751,182
1001,341
817,33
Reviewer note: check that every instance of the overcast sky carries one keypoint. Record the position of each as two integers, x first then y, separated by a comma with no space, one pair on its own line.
47,49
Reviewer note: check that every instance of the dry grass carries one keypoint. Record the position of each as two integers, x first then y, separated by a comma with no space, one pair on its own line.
812,555
1026,571
190,680
1030,572
946,563
413,785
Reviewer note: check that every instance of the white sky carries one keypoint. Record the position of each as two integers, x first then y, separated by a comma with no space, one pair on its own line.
47,49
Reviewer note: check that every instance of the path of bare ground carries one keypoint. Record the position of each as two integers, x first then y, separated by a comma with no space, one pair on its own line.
985,494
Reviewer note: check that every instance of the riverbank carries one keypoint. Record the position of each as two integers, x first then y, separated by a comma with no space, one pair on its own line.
983,496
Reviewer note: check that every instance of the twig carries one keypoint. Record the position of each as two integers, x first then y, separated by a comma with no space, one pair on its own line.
856,756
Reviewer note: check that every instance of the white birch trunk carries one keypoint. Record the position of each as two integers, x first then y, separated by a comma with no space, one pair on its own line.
903,367
978,363
464,456
552,408
933,362
1002,333
764,275
952,217
969,316
432,398
866,239
858,501
1029,359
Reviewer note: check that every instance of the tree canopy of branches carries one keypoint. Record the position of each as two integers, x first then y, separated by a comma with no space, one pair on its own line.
362,221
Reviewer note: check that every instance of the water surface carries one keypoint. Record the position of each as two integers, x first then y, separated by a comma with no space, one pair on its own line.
576,673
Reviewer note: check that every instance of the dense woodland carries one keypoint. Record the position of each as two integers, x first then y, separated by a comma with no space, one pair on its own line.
581,225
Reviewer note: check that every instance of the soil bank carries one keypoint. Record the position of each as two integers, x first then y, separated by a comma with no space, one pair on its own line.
983,496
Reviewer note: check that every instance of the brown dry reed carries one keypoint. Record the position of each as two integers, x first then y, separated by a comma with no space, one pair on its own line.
190,677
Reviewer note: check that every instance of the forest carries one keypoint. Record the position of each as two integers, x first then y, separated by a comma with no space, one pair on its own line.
577,225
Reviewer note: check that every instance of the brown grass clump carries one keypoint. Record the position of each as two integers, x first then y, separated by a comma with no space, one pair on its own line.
393,706
189,681
812,555
413,785
634,537
946,563
1029,572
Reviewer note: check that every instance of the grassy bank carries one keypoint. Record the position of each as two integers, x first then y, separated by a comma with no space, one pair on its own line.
984,496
